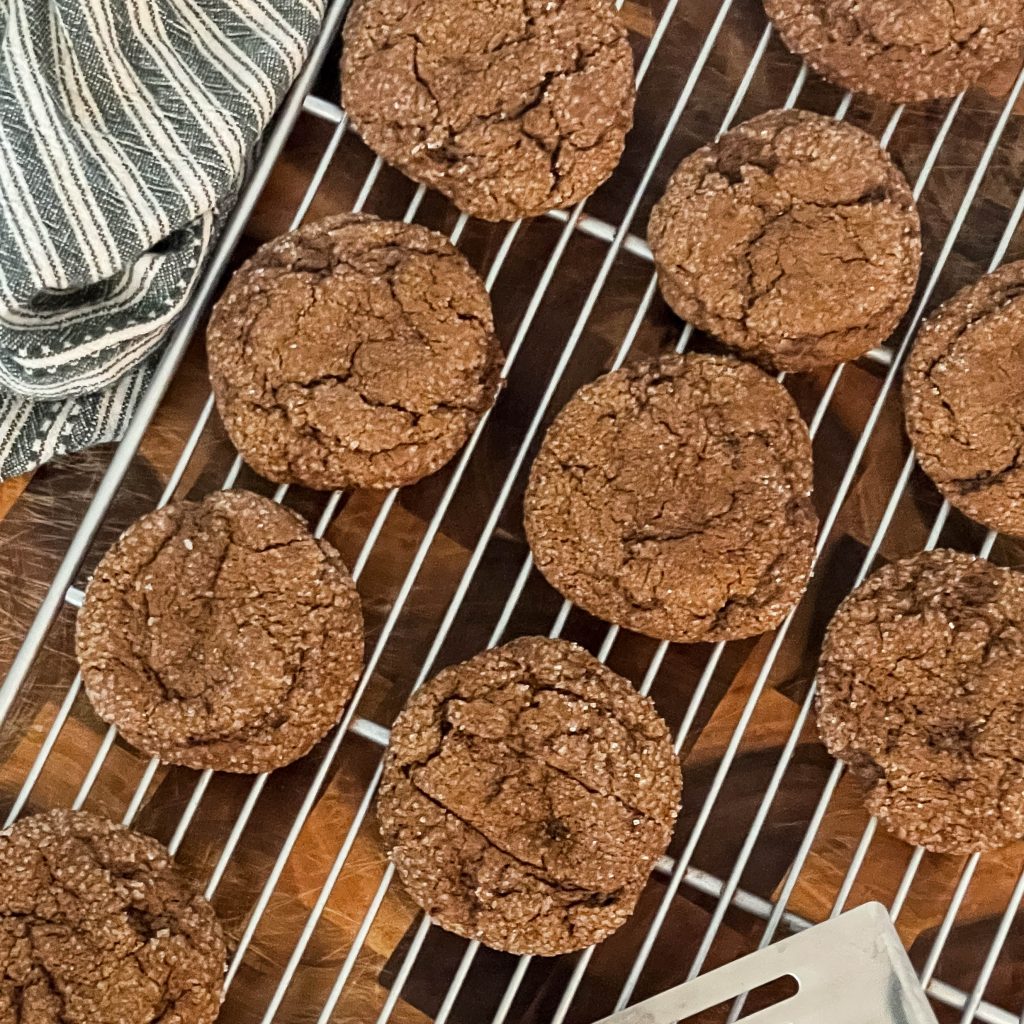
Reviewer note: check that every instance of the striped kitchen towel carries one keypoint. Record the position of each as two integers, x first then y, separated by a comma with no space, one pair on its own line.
125,130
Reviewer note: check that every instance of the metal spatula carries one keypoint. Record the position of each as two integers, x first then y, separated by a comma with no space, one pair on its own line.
850,970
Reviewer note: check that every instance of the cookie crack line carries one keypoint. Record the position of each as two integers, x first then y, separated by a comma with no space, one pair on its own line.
634,573
756,230
236,733
932,722
539,685
478,907
986,477
321,256
752,294
964,399
210,598
381,452
133,919
345,378
542,883
901,52
141,644
539,872
578,65
510,741
55,880
214,667
648,533
53,986
374,374
352,377
983,479
711,620
748,600
866,30
454,110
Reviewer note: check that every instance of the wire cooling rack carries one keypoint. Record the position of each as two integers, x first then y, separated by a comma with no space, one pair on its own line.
773,836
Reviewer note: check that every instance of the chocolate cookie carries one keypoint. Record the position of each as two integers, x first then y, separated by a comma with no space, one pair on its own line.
507,107
97,926
526,795
672,498
963,392
354,352
794,238
221,635
921,692
901,50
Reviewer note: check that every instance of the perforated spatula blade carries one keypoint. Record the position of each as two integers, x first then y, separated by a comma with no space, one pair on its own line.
852,969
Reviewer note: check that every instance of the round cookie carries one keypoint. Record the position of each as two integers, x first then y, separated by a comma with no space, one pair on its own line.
353,352
221,634
97,926
963,394
921,692
507,107
672,498
901,50
793,238
526,795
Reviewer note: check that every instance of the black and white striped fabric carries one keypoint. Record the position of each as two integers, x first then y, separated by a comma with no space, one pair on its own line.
125,129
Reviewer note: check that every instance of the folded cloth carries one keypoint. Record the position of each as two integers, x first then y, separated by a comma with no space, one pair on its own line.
125,129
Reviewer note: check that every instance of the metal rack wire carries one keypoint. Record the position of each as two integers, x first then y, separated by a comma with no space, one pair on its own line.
725,893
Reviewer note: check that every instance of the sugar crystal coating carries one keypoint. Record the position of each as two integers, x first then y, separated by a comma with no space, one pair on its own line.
672,497
221,634
353,352
508,107
98,927
963,392
526,795
921,692
793,238
901,50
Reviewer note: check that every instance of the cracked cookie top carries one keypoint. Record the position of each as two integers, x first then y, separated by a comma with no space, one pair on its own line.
508,107
794,238
353,352
901,50
963,393
920,691
526,794
221,634
97,926
672,498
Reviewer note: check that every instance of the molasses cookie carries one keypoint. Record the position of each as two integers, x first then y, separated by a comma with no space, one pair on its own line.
97,926
508,107
221,634
921,692
963,391
794,239
526,796
672,498
353,352
901,50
